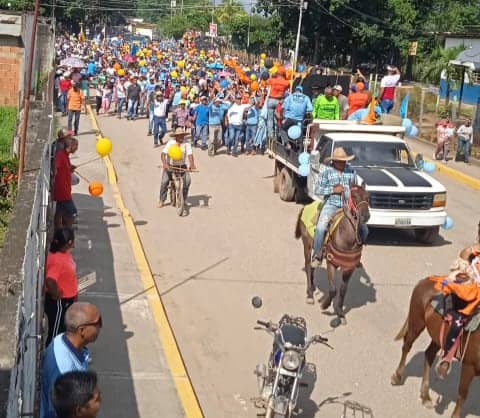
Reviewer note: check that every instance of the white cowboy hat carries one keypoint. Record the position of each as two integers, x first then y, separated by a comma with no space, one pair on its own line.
339,154
178,132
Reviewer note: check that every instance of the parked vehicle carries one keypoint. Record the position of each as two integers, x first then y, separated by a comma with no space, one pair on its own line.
279,379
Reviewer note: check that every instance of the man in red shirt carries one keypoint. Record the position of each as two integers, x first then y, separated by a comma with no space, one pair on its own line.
278,86
64,86
62,188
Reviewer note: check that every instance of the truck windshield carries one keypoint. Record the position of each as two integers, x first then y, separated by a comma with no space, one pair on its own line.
377,154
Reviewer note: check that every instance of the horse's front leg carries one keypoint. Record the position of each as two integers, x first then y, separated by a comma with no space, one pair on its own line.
340,299
328,298
468,373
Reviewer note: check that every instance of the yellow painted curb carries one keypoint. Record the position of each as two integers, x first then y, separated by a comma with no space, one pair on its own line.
175,362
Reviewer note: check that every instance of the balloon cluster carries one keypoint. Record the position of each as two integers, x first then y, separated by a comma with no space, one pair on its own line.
304,161
410,129
448,223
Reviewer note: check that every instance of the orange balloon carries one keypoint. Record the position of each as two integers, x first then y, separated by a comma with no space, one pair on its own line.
254,86
95,188
289,74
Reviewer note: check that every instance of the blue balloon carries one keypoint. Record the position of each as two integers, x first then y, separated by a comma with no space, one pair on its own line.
428,167
294,132
301,68
304,158
224,84
407,124
448,224
304,170
413,131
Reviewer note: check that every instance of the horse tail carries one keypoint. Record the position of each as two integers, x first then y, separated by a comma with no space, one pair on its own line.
298,229
403,331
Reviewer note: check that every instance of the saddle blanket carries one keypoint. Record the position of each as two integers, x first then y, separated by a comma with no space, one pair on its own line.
310,216
473,323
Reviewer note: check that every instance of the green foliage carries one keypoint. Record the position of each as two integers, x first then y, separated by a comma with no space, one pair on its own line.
431,67
8,123
8,192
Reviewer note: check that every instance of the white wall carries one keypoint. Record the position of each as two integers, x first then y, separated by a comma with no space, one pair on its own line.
466,42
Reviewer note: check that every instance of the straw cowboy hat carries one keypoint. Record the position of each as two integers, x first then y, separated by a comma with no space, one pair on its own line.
178,132
339,154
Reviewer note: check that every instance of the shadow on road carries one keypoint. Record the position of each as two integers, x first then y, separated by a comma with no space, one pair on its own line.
445,392
94,257
399,237
199,201
361,289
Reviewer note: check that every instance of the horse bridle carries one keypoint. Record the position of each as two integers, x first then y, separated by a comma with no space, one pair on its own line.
354,208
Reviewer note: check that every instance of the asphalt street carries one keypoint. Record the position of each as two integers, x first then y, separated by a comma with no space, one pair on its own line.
238,242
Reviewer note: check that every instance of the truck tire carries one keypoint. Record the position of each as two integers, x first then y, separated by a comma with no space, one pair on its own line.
287,185
427,235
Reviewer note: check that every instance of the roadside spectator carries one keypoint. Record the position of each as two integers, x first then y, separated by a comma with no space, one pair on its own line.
75,101
358,99
465,139
76,395
65,211
342,101
387,88
61,284
64,86
441,138
68,351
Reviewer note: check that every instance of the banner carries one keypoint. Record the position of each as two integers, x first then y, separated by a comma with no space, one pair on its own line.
213,30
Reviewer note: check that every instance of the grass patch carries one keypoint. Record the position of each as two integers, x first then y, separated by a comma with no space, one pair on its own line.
8,124
8,192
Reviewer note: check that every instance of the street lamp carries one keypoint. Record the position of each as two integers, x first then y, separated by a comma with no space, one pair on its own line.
303,6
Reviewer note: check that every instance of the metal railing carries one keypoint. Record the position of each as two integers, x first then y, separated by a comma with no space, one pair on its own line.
23,397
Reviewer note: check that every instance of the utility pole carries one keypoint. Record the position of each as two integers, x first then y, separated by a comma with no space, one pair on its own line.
303,6
31,56
249,25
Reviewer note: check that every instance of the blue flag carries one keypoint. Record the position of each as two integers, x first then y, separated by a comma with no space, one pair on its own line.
404,107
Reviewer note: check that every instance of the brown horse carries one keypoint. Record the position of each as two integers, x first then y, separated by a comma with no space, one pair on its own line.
343,250
420,316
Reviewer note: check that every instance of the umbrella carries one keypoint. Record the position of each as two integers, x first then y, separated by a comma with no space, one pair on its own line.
216,66
224,74
73,62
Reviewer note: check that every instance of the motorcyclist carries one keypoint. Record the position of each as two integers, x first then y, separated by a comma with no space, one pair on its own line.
334,183
178,139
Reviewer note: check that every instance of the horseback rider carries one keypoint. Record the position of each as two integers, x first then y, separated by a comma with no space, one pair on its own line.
463,288
178,137
334,187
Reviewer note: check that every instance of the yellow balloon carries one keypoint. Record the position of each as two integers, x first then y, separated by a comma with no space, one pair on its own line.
175,153
181,64
174,74
103,147
273,70
186,73
253,77
263,55
183,89
121,72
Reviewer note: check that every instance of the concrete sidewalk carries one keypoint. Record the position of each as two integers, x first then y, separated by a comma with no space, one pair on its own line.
134,377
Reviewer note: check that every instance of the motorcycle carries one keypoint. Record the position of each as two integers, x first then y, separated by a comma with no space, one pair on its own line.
279,380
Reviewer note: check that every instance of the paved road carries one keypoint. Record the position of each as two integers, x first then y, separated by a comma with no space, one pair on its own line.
238,242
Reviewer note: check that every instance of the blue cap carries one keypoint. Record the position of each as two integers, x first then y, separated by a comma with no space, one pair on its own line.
299,88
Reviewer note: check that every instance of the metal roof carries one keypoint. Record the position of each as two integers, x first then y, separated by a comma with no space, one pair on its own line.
469,58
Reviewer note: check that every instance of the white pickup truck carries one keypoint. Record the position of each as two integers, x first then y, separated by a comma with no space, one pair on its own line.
401,195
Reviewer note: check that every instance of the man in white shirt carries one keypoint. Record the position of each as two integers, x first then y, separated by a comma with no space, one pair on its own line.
178,140
387,88
160,106
235,116
465,139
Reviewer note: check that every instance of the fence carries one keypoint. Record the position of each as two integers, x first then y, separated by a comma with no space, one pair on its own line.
24,382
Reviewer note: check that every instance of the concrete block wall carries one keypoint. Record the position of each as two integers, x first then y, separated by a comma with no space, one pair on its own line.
11,69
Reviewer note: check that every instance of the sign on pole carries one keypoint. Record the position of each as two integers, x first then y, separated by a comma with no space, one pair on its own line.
412,50
213,30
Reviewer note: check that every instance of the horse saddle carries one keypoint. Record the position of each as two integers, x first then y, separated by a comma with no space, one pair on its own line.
438,304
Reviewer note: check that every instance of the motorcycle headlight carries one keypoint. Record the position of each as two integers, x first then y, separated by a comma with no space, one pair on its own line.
291,360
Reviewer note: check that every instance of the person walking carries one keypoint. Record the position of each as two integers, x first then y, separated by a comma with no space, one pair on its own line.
76,395
200,119
251,122
61,284
235,115
160,108
465,139
216,113
75,101
121,93
133,96
68,351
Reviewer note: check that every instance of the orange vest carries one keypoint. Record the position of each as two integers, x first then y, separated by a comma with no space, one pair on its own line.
468,292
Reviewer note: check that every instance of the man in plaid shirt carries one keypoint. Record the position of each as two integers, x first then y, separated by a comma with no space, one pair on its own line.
334,187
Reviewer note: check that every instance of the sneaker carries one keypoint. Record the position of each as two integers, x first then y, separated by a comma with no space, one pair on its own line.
160,204
149,133
156,145
234,154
